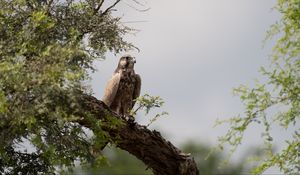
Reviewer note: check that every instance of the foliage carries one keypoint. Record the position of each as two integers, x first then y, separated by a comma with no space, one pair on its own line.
276,101
118,162
121,162
146,103
211,165
46,50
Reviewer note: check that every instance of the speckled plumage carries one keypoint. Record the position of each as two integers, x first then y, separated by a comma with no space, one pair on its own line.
123,87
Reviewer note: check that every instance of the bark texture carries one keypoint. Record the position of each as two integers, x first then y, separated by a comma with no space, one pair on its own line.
149,146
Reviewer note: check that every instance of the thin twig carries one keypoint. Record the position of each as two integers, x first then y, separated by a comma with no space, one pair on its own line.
139,10
99,6
110,7
138,109
137,2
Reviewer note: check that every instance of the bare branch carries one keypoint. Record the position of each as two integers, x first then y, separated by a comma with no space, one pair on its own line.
139,10
110,8
137,2
99,6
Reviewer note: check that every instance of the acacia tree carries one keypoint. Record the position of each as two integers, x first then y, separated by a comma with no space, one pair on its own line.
277,101
47,48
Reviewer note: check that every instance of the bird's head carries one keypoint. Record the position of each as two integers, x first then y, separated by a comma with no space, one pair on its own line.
126,62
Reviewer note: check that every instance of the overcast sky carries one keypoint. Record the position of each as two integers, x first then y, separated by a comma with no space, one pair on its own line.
192,54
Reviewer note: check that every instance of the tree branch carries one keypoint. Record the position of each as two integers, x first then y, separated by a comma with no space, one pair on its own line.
148,146
110,7
99,6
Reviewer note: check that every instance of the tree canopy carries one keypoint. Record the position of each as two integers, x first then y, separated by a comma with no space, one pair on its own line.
275,102
47,48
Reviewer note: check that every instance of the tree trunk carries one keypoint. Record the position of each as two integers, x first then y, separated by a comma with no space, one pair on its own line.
149,146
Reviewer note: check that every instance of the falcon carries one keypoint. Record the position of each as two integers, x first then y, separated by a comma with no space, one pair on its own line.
123,87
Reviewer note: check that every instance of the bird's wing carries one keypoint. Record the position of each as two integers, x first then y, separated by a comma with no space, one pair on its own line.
111,89
137,88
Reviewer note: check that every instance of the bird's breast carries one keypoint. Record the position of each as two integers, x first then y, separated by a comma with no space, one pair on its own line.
126,86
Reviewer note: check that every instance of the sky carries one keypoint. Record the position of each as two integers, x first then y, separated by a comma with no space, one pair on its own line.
192,54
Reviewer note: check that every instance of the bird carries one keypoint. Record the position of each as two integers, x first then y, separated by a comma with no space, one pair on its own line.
123,87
